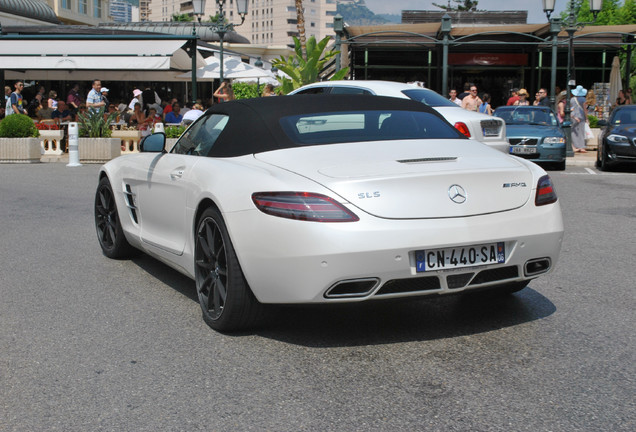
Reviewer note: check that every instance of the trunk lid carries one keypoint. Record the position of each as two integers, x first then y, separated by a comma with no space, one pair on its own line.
413,179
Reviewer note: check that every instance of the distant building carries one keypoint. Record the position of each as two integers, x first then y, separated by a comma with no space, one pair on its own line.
144,10
268,22
123,11
466,18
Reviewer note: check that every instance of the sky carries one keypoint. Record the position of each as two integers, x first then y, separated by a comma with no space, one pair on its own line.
534,7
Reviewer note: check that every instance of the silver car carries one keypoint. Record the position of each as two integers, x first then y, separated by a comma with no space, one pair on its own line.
481,127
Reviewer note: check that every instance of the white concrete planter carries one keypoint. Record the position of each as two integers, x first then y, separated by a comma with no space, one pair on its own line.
51,141
129,140
20,150
98,150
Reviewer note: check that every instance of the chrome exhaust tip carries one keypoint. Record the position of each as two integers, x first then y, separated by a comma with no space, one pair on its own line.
352,288
537,266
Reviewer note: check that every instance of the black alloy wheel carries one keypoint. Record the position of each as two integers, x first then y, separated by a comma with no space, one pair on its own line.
109,231
226,300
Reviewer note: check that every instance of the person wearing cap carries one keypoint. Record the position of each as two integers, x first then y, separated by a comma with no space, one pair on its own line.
578,117
523,98
135,99
514,98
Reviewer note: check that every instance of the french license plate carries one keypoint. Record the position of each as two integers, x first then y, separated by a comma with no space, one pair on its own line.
494,131
456,257
523,150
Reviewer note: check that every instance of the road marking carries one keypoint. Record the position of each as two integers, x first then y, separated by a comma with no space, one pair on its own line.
590,170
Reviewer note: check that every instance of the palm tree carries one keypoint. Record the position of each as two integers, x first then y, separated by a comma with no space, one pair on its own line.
300,25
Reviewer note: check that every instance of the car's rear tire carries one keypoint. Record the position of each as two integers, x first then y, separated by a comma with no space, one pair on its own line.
226,299
109,231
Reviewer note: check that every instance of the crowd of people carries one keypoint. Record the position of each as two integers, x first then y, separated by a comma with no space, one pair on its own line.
582,103
142,111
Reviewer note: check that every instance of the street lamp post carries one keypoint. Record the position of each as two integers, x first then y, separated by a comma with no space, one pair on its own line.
220,27
198,6
570,25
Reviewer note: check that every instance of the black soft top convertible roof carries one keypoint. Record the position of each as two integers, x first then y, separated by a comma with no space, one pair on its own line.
254,124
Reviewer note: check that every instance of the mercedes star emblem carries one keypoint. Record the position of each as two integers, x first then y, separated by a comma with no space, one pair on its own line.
457,194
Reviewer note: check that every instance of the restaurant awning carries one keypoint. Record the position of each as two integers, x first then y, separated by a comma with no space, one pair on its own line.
87,54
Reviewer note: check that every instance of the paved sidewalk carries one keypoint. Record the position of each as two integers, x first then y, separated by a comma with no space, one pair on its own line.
582,159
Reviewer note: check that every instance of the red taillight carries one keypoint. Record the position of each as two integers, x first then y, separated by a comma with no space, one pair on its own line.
462,128
302,206
545,192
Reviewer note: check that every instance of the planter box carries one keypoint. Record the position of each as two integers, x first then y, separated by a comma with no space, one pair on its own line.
129,140
592,143
51,141
98,150
170,142
20,150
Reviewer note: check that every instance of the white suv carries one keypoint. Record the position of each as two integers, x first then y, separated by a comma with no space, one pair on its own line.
481,127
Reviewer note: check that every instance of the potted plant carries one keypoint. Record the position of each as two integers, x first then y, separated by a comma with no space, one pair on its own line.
95,142
19,142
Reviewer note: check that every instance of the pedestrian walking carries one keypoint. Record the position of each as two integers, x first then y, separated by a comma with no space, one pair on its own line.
472,101
514,97
485,107
94,100
579,116
453,97
523,98
15,103
544,100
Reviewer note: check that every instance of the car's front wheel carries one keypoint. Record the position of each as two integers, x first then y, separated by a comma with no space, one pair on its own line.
109,231
601,160
226,299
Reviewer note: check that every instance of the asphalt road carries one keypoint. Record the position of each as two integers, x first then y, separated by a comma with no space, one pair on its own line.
92,344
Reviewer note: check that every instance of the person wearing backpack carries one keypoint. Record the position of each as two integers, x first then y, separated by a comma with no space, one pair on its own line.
15,103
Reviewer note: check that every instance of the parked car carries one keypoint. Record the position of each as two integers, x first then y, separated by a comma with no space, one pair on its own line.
617,141
328,199
481,127
534,133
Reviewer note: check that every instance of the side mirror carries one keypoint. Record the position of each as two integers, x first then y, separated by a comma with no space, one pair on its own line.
602,123
154,143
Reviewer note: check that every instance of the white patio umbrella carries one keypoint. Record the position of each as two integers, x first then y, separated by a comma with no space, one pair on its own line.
233,68
615,80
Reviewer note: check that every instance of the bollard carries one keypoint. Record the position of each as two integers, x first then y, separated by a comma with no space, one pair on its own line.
73,145
159,128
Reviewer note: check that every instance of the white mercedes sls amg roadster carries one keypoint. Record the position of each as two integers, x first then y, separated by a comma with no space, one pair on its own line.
327,199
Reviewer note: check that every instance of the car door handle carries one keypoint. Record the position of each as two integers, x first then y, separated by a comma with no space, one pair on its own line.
176,174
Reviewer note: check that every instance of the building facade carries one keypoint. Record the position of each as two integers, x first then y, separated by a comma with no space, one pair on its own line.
123,11
268,22
75,12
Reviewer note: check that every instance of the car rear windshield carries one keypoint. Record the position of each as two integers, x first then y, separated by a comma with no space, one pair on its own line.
527,116
356,126
428,97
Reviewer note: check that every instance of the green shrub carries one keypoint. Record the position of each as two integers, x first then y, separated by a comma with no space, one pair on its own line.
593,121
245,90
92,124
174,131
18,126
